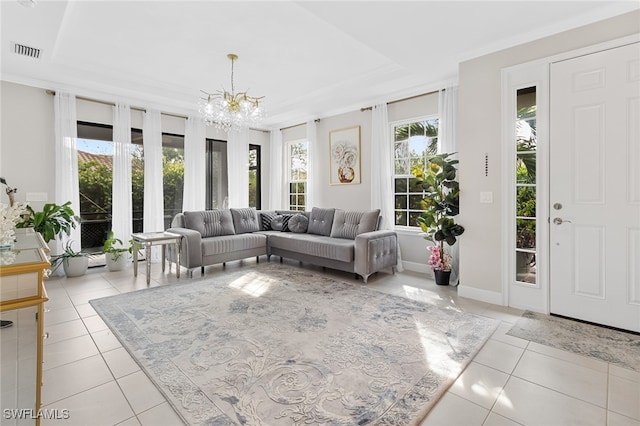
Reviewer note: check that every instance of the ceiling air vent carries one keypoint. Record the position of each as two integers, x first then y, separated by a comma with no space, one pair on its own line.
23,50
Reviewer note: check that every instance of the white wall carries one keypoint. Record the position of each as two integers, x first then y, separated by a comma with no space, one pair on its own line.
479,133
27,144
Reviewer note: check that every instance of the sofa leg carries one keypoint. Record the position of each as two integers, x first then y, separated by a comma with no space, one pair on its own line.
268,258
393,270
280,259
224,264
365,278
257,259
190,273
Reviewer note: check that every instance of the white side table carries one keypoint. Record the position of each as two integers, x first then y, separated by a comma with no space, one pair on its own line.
148,239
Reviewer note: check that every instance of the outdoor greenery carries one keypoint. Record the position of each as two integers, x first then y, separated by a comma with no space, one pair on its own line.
526,175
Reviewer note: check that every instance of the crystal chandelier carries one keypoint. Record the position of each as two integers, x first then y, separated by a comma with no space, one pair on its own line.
231,111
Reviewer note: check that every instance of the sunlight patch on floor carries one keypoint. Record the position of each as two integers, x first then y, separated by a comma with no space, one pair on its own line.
253,284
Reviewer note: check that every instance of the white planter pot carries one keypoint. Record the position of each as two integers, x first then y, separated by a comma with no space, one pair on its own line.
75,266
119,264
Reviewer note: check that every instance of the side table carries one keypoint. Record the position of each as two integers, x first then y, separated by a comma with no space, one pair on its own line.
148,239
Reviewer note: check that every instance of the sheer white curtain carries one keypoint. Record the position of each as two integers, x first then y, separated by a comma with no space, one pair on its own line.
66,155
312,140
153,196
276,170
381,160
448,106
121,215
238,168
194,194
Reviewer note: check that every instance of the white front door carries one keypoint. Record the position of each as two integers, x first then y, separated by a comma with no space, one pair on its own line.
595,187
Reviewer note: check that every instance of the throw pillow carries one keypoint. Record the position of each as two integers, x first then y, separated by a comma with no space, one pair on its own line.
245,220
349,224
320,221
280,222
298,223
265,219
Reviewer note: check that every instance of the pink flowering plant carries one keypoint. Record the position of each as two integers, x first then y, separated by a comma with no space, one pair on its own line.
439,259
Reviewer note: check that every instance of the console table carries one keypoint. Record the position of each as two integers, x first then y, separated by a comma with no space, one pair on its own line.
148,239
22,296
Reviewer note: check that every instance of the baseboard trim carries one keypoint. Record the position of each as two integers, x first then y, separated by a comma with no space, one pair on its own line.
416,267
487,296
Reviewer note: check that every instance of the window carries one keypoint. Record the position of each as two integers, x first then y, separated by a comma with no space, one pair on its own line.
413,143
217,188
297,164
95,179
172,175
217,191
526,185
255,187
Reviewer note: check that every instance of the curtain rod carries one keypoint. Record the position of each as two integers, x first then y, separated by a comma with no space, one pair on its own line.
317,120
402,100
133,108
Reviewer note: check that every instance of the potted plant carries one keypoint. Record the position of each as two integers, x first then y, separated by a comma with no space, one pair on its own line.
52,221
74,263
114,253
440,204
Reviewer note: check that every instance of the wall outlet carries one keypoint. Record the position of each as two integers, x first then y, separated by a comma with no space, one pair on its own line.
486,197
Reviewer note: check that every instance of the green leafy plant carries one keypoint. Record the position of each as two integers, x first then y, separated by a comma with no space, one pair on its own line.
68,253
52,221
115,247
440,204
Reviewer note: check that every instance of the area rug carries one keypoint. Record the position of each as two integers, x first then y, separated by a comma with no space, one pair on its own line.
616,347
278,345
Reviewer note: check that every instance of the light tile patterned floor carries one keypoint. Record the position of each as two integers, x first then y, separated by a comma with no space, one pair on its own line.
510,381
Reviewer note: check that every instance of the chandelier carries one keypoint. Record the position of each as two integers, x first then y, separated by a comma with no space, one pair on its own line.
230,111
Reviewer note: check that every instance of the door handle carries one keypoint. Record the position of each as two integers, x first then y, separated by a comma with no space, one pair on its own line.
560,221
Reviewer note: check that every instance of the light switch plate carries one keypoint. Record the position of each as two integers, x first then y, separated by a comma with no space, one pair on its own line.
486,197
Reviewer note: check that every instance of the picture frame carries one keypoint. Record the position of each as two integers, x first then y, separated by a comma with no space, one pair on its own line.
344,156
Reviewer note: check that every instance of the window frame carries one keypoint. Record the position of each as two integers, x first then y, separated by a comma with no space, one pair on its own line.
408,229
291,181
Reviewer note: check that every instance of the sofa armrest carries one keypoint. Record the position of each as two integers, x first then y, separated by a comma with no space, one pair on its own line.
375,251
190,250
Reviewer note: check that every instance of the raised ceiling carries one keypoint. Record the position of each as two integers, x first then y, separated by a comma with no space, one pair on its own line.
309,58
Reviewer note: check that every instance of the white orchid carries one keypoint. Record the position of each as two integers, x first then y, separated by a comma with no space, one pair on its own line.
9,218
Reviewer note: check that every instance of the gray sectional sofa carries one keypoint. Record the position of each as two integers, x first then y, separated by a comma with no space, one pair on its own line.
338,239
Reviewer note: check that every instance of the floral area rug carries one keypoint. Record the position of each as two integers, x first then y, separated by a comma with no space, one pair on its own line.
277,345
616,347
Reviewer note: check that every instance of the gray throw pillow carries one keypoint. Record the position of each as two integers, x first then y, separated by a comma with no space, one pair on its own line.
349,224
298,223
245,220
320,221
210,223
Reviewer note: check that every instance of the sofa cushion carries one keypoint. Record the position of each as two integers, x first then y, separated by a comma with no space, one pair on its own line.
314,245
265,220
320,221
298,223
231,243
210,223
348,224
245,220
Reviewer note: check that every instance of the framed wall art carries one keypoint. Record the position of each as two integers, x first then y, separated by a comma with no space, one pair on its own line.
344,158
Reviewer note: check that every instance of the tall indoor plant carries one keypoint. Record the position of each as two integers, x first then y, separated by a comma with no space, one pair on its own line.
440,204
